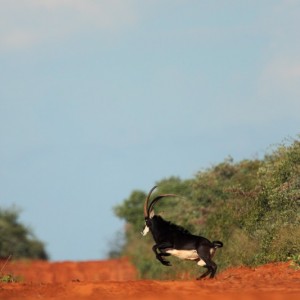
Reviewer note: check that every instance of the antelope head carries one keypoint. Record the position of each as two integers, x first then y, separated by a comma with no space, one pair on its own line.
149,209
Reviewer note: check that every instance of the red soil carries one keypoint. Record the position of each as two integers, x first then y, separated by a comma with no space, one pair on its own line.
116,279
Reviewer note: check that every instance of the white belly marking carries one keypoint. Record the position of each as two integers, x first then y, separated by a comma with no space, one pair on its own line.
184,254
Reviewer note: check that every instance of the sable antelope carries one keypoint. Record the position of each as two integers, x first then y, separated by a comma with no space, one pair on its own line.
171,239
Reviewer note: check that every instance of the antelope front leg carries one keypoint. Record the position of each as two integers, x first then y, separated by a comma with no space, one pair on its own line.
159,255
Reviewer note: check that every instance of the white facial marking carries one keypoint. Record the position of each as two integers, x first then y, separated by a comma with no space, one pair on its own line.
145,230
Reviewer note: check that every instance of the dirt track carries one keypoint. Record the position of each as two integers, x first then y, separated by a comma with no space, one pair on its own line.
116,279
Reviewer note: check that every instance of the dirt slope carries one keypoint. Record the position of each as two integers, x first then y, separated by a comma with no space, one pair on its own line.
67,271
116,279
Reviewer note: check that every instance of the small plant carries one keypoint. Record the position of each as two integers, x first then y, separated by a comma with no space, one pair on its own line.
295,261
8,278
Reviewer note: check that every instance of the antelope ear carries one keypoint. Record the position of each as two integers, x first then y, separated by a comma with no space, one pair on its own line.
152,214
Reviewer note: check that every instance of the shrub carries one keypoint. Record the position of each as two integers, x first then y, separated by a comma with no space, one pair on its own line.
16,239
253,206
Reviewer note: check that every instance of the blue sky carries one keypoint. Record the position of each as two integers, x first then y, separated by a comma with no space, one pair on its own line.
99,98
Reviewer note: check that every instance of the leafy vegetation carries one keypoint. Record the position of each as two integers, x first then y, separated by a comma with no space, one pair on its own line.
7,278
253,206
16,239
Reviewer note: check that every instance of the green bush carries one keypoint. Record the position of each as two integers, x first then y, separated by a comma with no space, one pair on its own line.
252,206
16,239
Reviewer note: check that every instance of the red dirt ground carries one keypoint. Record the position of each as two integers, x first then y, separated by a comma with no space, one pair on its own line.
116,279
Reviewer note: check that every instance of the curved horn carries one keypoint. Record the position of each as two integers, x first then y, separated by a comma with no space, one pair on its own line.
154,201
146,215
